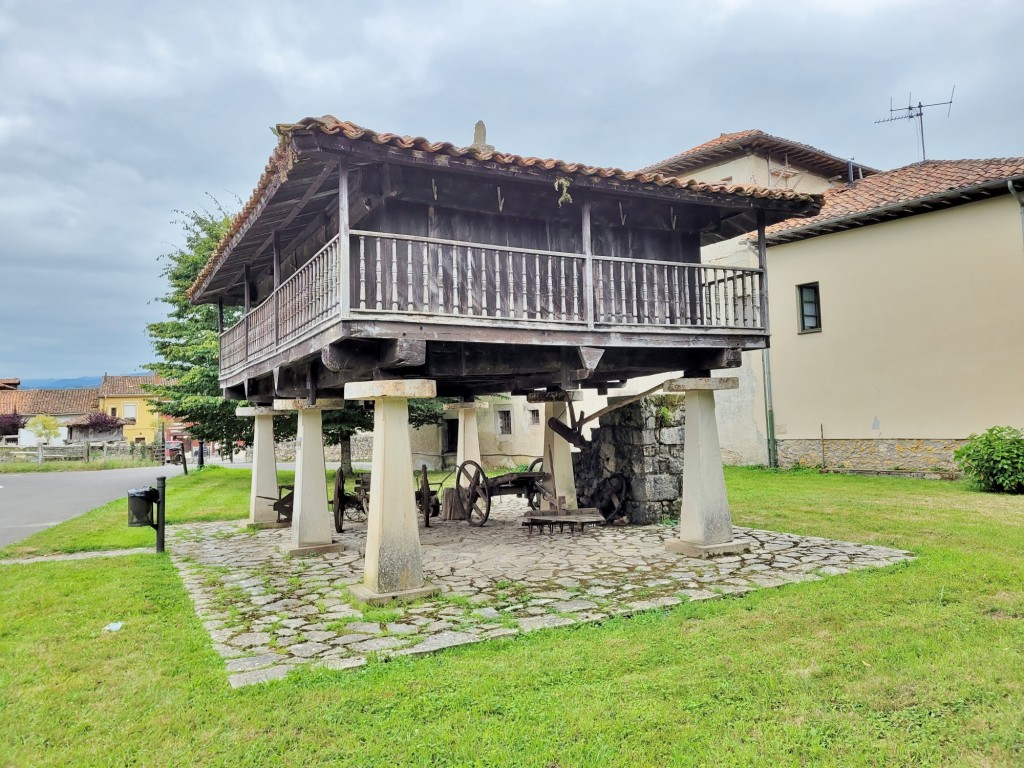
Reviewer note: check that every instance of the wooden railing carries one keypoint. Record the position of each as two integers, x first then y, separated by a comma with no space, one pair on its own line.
424,275
669,294
391,275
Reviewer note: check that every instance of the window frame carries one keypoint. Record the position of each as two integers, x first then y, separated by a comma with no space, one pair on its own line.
801,314
502,414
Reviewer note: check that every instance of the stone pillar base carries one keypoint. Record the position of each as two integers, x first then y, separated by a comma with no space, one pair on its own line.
263,525
364,594
704,551
316,549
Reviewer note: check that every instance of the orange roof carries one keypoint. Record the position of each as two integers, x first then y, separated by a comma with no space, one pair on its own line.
10,383
916,188
730,145
285,156
113,386
51,402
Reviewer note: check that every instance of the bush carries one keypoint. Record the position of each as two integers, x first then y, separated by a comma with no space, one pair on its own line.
994,459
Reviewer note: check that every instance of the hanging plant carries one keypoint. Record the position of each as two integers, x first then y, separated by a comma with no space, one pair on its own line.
562,185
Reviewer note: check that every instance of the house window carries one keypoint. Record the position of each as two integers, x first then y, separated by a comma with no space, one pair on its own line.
504,422
113,412
809,307
130,410
534,417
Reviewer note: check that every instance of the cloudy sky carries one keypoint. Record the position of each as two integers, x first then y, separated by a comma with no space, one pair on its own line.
113,115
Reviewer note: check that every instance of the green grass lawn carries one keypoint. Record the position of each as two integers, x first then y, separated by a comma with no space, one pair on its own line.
921,664
20,467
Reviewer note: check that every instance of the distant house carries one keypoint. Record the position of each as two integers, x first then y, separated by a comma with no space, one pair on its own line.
63,404
125,397
7,384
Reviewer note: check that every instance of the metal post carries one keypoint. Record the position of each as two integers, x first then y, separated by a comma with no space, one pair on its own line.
201,462
161,486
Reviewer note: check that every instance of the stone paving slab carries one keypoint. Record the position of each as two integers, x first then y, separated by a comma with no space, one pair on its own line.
267,613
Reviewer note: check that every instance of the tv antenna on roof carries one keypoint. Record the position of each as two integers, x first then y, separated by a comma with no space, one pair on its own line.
916,112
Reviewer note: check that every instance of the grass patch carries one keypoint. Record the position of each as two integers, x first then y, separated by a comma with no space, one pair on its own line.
21,467
919,664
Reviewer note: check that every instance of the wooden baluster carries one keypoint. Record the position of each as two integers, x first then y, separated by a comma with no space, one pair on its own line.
483,282
441,305
525,294
408,276
622,291
470,296
635,292
561,291
497,284
362,272
394,274
511,286
425,302
536,270
551,291
645,314
377,296
575,290
456,294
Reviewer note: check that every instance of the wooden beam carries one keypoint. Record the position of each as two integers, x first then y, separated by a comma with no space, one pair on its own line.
313,188
344,255
588,273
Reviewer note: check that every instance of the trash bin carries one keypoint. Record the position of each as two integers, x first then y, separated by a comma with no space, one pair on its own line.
140,506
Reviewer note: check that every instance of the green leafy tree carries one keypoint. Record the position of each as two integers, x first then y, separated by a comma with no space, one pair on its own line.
187,343
45,428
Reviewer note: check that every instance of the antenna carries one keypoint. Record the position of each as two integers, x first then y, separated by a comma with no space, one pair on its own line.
916,112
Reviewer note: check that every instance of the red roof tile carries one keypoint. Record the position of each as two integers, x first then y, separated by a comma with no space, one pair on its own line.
732,144
901,191
113,386
51,402
10,383
284,156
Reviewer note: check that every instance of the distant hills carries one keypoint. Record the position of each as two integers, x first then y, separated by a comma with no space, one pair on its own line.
81,382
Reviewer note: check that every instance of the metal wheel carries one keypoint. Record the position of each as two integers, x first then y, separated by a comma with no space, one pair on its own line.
474,495
358,512
338,505
533,496
424,497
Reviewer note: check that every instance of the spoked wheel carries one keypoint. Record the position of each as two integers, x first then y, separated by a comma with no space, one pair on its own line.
338,506
474,495
533,496
358,512
426,508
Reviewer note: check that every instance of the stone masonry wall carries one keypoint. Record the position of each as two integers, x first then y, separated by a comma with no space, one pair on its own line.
880,454
643,442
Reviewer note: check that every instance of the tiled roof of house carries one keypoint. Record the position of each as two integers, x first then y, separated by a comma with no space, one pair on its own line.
284,158
10,383
915,188
732,144
113,386
51,402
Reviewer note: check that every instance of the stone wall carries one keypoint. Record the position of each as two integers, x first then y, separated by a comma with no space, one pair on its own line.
643,442
880,454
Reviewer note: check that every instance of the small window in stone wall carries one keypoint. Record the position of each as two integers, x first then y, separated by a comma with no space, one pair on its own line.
534,417
504,422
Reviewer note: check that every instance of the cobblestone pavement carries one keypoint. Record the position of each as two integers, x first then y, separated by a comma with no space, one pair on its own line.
267,613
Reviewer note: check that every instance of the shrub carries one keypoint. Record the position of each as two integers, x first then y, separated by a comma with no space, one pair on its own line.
994,459
10,423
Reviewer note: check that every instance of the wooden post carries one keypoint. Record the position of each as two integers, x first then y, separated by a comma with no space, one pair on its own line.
277,284
588,269
344,274
762,262
220,315
248,305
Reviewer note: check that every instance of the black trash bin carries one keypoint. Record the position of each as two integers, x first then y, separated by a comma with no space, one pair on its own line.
140,506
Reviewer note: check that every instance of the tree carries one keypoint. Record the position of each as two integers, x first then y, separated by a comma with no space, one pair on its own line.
10,423
45,428
188,344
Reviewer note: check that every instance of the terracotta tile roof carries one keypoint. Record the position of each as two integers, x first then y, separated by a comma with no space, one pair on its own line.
732,144
51,402
113,386
915,188
10,383
285,155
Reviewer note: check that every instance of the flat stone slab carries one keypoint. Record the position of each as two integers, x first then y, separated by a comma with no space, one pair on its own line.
267,613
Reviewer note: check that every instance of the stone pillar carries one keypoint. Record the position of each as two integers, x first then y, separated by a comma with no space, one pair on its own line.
557,452
393,567
469,430
705,522
312,527
263,490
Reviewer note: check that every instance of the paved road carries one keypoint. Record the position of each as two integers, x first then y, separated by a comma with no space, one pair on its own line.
32,501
